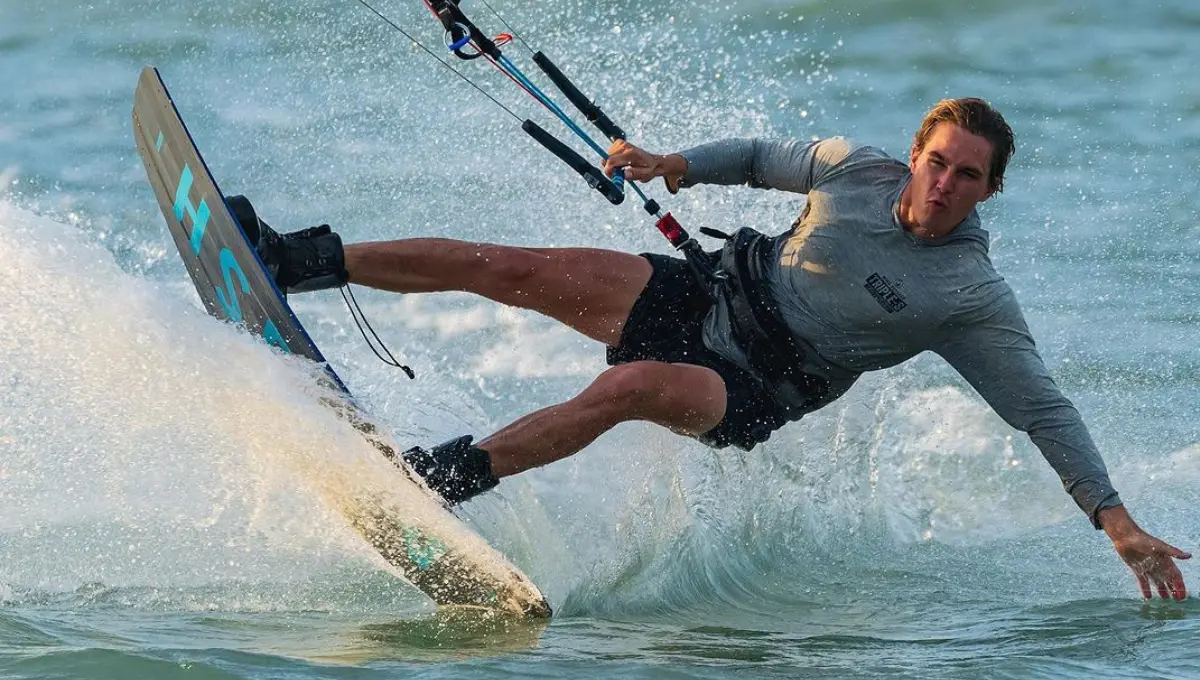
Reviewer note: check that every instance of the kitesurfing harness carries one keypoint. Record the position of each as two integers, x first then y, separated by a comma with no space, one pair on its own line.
737,281
775,354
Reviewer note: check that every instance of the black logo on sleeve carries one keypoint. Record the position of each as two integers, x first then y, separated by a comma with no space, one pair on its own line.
885,293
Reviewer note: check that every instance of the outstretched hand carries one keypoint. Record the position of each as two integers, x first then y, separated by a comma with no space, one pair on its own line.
643,166
1152,560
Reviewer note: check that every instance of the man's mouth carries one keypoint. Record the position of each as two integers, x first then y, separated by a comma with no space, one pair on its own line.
937,203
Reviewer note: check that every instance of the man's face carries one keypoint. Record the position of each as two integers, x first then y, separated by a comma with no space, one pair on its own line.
950,177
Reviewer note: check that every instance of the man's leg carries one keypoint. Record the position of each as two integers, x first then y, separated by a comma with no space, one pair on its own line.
686,399
588,289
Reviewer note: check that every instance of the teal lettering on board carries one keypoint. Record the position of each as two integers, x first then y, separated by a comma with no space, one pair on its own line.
231,269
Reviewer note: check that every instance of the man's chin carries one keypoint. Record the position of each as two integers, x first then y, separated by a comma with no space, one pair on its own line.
937,225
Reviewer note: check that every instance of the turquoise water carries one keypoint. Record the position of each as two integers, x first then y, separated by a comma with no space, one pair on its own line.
164,480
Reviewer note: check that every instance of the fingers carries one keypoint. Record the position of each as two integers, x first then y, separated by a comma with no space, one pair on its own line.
618,146
640,173
1162,575
637,163
1178,587
1177,553
1153,563
1162,590
638,169
1170,579
611,166
617,162
620,155
1144,584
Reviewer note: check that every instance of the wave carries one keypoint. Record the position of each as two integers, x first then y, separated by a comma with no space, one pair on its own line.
149,443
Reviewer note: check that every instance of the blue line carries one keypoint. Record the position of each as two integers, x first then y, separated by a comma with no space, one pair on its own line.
548,103
541,96
159,142
637,190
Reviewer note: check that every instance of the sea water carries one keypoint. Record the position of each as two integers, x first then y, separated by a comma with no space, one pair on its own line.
161,500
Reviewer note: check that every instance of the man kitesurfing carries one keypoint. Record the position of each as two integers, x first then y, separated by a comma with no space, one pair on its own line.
887,260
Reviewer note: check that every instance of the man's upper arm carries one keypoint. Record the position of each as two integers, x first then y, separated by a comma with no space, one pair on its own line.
789,165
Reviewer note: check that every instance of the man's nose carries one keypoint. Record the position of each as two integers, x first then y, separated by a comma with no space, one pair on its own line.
945,182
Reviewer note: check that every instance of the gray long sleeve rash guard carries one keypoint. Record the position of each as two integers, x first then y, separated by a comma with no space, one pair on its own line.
865,294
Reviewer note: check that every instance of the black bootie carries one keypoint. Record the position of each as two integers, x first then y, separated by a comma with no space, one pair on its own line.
455,469
302,261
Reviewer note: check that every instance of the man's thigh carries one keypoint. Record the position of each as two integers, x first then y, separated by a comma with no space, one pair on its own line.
589,289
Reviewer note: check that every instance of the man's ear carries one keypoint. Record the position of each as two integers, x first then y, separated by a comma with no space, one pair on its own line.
913,153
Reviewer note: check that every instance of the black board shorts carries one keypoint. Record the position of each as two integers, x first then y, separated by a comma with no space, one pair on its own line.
665,325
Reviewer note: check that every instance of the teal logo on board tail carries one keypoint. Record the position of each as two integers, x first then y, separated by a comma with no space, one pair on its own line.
423,550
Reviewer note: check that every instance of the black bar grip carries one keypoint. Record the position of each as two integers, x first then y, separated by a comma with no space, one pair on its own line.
585,105
590,173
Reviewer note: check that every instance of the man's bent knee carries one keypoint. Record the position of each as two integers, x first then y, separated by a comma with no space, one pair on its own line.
634,387
682,397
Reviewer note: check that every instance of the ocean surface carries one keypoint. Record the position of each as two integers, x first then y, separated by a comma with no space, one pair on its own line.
161,514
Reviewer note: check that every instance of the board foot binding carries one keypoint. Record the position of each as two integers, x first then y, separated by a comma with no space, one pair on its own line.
301,261
456,470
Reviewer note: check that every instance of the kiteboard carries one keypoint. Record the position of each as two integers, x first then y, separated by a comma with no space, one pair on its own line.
434,550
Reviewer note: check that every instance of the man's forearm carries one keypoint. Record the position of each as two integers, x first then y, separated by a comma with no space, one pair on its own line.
727,161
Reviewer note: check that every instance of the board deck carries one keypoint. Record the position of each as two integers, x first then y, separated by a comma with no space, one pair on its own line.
435,551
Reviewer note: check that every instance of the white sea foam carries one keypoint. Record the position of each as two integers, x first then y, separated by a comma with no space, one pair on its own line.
142,442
